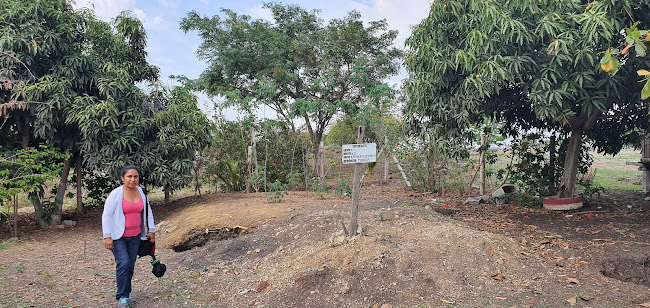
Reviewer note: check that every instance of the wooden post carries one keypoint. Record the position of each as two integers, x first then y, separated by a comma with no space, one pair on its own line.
646,172
482,162
254,142
15,215
551,165
249,160
386,161
304,168
321,156
401,171
79,196
356,187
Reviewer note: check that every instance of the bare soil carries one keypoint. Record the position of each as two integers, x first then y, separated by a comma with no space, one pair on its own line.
415,250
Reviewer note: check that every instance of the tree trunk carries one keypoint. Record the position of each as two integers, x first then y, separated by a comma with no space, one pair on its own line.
356,188
386,160
317,139
60,193
15,216
551,166
79,183
36,202
167,193
431,171
22,125
321,159
197,174
482,165
569,174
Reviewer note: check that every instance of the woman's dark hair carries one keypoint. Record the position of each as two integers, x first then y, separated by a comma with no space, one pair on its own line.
127,168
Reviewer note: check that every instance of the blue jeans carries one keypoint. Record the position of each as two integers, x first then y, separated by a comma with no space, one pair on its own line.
125,251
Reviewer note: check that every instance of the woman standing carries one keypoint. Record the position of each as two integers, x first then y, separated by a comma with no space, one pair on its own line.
123,227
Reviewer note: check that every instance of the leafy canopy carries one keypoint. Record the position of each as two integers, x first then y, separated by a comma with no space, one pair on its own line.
531,63
296,63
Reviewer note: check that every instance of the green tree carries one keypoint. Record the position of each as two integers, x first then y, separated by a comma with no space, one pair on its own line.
296,64
27,171
532,64
66,73
182,131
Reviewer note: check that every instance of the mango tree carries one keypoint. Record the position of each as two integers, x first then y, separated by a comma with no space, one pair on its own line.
181,131
56,64
533,64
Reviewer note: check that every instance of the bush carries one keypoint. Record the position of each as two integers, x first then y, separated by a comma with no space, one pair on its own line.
277,191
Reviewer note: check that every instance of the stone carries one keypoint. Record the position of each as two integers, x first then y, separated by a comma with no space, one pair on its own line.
477,200
506,189
69,223
338,238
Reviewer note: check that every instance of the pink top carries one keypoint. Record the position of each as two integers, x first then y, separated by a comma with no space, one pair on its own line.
132,217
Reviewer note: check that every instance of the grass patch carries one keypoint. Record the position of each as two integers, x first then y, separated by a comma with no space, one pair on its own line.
618,179
10,242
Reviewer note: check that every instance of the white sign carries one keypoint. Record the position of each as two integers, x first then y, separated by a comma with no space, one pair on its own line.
359,153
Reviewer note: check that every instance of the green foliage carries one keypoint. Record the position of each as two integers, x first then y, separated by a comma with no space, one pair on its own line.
277,191
181,131
427,167
8,243
344,131
27,171
295,180
284,148
256,180
523,200
530,170
229,145
296,64
530,64
589,191
343,189
47,209
231,177
634,40
98,185
320,187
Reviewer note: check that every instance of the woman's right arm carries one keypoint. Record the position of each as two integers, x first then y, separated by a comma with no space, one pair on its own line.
107,218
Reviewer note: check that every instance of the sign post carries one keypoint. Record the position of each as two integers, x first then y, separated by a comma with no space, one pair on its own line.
358,154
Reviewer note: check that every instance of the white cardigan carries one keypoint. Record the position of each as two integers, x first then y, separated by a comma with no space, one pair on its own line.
113,221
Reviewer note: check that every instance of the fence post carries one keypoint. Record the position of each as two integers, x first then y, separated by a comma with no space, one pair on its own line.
356,187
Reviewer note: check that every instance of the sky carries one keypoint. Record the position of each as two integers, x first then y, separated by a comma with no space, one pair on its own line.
174,51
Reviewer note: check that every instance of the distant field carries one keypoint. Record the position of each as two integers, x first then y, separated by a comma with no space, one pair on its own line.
613,173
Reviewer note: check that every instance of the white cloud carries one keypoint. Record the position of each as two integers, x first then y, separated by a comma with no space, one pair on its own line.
155,23
106,9
400,15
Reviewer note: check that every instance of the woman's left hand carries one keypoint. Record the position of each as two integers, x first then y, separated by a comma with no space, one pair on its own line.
152,237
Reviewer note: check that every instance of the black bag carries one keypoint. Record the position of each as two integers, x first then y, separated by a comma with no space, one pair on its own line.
147,248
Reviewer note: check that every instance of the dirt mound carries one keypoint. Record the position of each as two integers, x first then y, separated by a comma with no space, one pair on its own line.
408,255
416,250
